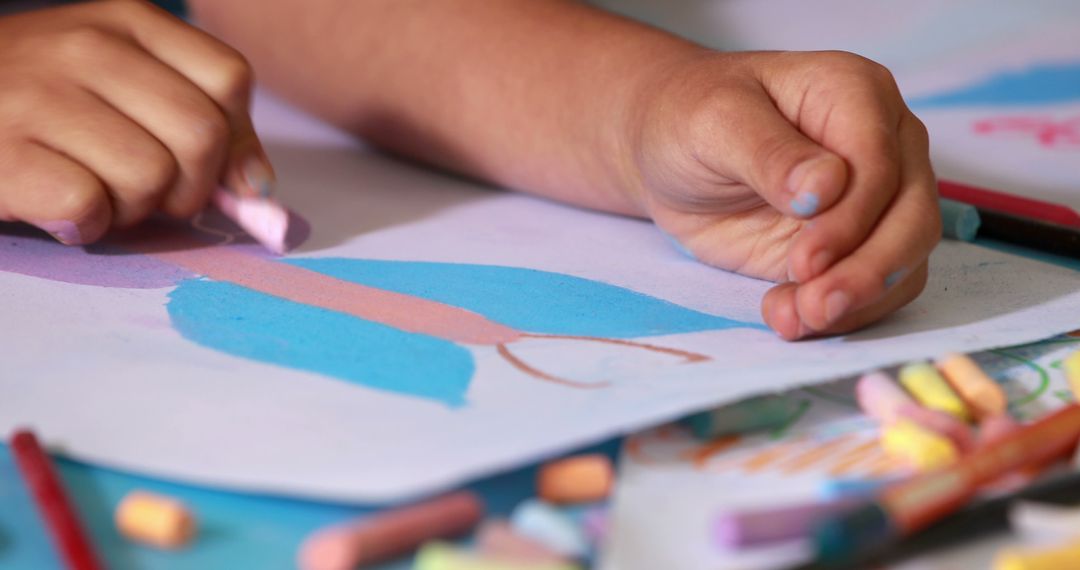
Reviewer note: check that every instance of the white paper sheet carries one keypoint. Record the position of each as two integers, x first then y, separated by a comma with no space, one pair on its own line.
201,380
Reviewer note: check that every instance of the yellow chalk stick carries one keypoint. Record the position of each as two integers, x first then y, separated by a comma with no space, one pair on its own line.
155,520
1071,364
931,390
982,394
1059,558
442,556
917,446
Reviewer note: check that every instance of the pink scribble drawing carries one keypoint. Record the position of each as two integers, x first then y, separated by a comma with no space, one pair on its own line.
1048,131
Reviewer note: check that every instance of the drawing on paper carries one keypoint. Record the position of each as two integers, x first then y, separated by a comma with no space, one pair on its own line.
399,326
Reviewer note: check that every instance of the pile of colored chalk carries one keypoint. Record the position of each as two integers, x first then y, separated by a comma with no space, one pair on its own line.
1055,529
932,416
926,417
559,530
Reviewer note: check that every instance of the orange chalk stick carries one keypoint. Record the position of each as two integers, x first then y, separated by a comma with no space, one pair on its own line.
580,479
391,533
980,392
155,520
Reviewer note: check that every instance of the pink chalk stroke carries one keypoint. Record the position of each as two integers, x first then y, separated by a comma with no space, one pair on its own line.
1047,131
405,312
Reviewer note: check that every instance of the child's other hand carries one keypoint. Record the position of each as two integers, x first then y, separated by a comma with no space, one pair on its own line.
805,168
110,110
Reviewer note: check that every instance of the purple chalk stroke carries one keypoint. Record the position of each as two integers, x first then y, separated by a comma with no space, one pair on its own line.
27,251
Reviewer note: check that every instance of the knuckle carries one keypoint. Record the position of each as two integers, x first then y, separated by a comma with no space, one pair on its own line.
774,156
203,136
81,43
149,176
233,77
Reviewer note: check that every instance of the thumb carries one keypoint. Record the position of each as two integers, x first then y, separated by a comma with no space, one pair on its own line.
788,170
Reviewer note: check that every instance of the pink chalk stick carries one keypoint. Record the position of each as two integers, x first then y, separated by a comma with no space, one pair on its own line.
880,396
265,219
941,423
994,428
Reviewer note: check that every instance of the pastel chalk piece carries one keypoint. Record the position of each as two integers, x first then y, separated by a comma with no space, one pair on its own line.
1071,365
155,520
390,533
1055,558
579,479
959,221
922,449
736,529
264,218
442,556
979,391
941,423
931,390
546,524
760,413
995,428
880,397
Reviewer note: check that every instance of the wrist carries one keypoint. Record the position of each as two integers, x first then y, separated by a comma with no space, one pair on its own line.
641,111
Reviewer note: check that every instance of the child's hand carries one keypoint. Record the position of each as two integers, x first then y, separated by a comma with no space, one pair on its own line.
110,110
805,168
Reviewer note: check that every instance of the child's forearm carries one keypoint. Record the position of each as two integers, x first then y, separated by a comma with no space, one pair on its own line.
529,94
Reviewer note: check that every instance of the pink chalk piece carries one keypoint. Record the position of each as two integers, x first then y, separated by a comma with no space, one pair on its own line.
740,529
941,423
390,534
497,539
994,428
880,397
264,218
405,312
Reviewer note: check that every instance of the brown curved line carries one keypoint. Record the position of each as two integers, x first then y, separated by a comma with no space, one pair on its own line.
523,367
688,356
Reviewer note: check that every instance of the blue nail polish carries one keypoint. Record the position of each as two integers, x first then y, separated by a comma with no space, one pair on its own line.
804,204
895,277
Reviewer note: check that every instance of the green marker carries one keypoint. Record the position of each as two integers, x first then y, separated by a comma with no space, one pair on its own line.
754,414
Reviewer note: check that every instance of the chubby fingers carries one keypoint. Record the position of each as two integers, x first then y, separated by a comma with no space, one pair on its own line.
223,75
886,270
741,136
43,187
779,308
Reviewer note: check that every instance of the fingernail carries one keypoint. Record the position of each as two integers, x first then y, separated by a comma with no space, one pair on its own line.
836,304
804,183
64,231
820,262
258,176
895,278
804,204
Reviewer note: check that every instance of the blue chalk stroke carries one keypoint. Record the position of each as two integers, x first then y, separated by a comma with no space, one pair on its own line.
527,299
250,324
1040,84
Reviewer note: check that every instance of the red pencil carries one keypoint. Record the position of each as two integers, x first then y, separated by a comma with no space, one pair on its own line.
52,502
1010,203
